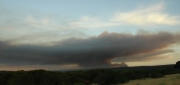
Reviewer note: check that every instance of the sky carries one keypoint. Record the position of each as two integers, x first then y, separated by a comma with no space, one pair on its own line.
80,34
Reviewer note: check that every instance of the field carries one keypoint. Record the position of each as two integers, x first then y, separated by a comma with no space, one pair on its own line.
173,79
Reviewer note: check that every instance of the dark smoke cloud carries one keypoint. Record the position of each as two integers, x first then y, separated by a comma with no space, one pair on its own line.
3,45
144,56
91,52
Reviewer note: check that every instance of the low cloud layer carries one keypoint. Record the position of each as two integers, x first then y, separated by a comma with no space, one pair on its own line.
91,52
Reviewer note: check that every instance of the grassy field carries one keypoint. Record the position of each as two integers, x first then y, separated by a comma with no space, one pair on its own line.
167,80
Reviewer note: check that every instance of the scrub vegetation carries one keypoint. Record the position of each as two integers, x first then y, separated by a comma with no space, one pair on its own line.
109,76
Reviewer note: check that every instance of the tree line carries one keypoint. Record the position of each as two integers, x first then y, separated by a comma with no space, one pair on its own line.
88,77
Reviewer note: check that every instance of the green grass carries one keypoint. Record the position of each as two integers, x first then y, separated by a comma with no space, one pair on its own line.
167,80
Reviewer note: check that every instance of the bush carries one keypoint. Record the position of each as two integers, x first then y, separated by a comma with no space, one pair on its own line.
177,66
21,78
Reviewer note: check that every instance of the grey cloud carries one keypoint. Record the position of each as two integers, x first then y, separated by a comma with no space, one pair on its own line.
143,56
3,45
91,52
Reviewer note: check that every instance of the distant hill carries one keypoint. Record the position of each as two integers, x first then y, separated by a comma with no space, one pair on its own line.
123,66
145,67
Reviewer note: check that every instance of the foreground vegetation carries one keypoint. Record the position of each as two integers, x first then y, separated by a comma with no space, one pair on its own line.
89,77
167,80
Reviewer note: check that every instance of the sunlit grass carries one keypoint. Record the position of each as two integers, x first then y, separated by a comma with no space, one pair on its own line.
167,80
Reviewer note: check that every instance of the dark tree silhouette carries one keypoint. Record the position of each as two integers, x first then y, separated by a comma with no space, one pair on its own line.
21,78
86,77
177,66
